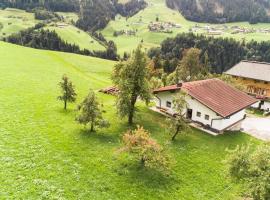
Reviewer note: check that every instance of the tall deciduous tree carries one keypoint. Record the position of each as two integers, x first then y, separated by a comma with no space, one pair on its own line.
131,78
178,123
90,112
68,91
190,65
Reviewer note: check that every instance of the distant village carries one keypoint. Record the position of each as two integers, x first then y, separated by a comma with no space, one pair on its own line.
163,27
221,29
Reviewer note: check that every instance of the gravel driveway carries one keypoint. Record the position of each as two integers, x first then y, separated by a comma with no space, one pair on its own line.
257,127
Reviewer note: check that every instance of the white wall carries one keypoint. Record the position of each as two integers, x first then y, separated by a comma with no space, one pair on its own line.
225,123
196,106
266,106
164,97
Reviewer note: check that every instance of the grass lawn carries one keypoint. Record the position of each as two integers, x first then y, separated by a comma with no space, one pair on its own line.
14,20
157,8
45,154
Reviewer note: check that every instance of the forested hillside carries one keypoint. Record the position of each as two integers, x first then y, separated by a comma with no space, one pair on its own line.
222,53
93,14
221,11
54,5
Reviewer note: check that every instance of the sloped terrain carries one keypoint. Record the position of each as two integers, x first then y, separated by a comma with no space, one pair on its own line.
45,154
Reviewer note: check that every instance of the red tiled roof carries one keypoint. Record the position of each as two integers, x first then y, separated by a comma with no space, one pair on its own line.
216,95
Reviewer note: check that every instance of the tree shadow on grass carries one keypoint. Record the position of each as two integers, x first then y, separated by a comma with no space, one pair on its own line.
100,137
139,175
63,111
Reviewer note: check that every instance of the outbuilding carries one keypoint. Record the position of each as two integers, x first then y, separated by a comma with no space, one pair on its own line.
211,103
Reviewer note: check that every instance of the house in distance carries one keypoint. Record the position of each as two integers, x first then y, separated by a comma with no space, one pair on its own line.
211,103
255,76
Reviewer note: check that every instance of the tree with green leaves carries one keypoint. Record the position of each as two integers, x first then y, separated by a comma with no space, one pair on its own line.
190,65
177,123
90,113
145,149
131,78
67,90
253,167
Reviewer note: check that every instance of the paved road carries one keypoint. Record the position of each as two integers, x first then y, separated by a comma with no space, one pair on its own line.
257,127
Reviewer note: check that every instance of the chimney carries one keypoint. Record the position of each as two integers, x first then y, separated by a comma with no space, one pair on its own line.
179,84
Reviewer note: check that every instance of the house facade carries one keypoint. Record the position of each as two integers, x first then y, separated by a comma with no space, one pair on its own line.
255,76
211,103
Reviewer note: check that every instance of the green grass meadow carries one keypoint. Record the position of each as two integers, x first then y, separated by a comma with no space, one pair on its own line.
73,35
15,20
45,154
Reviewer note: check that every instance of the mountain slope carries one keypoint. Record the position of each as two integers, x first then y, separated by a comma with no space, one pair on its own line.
93,14
45,154
221,11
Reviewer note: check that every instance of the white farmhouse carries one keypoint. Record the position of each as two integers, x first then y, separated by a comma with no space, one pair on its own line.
211,103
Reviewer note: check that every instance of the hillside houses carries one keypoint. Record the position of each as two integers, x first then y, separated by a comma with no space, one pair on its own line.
162,27
211,103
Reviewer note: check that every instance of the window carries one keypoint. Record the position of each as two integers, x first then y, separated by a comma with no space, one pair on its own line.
169,104
207,117
199,114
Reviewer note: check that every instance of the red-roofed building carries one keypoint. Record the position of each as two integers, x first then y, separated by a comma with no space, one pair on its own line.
211,102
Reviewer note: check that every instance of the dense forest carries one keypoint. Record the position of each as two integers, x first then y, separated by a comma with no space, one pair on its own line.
53,5
221,11
222,53
93,14
96,14
37,37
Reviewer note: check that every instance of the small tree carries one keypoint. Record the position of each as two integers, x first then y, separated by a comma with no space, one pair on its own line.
68,91
177,123
131,78
90,112
145,149
253,168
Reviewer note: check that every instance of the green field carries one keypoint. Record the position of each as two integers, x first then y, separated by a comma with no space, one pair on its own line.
157,8
44,154
14,20
73,35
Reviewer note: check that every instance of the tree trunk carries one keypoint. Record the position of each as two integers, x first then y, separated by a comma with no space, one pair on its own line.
65,104
130,118
142,161
176,133
132,108
92,127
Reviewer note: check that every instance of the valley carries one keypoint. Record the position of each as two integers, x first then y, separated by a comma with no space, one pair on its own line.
112,100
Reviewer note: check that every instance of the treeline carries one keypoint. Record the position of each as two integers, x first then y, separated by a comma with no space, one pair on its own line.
96,14
39,38
221,11
93,14
222,53
53,5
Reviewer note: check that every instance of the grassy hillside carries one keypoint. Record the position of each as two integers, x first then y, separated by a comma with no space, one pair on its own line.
158,8
45,154
73,35
14,20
